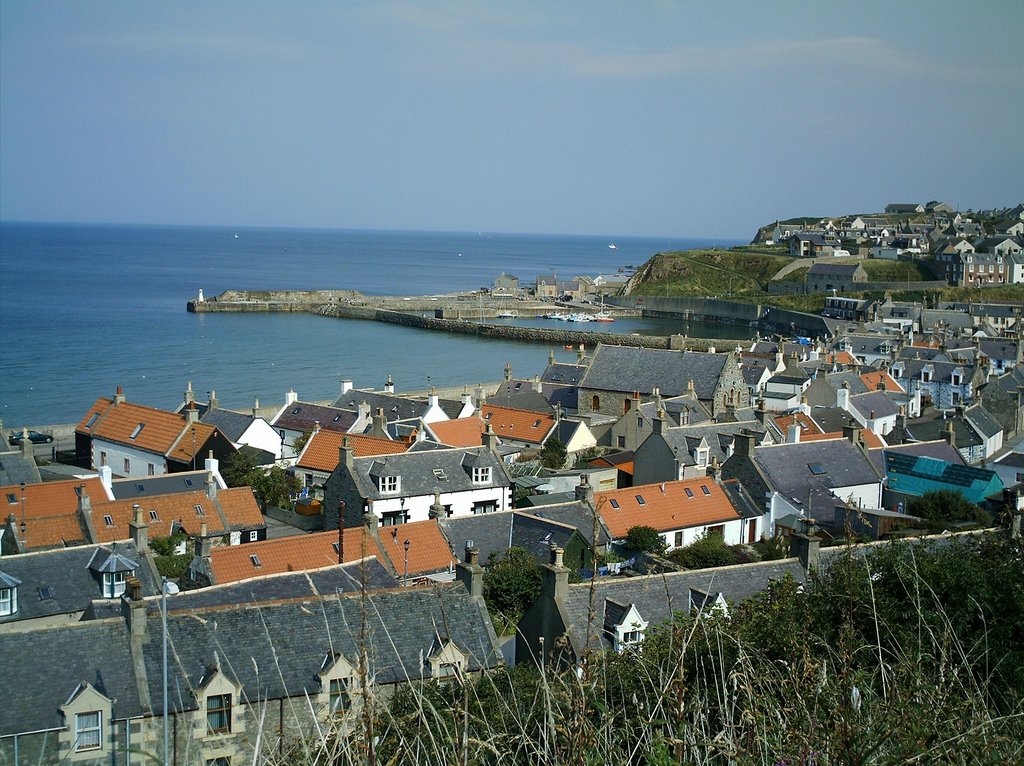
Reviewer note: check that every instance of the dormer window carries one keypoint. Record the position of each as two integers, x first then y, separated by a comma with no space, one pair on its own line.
88,730
702,457
8,596
926,375
218,713
482,474
389,485
114,583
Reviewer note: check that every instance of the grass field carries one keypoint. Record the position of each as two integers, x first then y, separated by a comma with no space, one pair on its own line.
739,271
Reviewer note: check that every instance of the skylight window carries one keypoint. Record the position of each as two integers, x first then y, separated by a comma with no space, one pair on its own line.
92,420
536,424
199,510
137,431
140,487
12,498
45,593
295,411
817,469
255,560
439,474
153,516
640,499
705,490
188,483
615,503
689,492
108,520
337,548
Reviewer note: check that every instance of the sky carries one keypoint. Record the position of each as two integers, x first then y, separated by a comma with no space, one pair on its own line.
653,118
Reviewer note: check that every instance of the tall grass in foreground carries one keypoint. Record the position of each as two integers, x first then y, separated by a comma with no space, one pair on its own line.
906,656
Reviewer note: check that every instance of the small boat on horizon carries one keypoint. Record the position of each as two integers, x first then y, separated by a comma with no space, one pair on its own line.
613,246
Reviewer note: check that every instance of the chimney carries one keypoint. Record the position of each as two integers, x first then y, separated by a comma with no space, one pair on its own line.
585,492
949,435
133,608
28,450
804,407
436,510
379,428
466,398
536,385
211,486
470,573
760,414
346,386
189,393
852,433
432,398
107,479
508,371
203,544
580,354
363,412
345,453
745,441
213,400
119,396
84,503
490,439
139,528
389,387
658,426
256,409
211,464
290,398
191,413
556,577
480,399
370,522
843,397
316,427
793,433
804,545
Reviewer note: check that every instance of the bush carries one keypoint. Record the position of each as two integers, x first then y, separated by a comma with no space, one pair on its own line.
645,539
708,551
511,584
172,567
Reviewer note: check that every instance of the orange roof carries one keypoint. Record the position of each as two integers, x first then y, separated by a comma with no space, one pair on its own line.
461,432
807,426
841,357
154,430
665,507
235,507
321,452
428,548
871,439
289,554
871,379
87,423
521,425
187,447
50,510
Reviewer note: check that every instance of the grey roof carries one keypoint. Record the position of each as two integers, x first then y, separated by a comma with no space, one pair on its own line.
277,649
998,348
43,668
564,374
982,421
831,419
395,407
658,597
851,378
16,468
931,427
491,534
580,515
683,440
678,409
349,578
877,402
833,269
519,394
231,424
788,470
941,372
419,471
60,581
168,484
532,503
627,369
303,416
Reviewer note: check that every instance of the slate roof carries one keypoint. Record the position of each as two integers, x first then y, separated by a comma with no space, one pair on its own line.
303,416
417,470
167,484
61,581
349,578
658,597
278,649
43,667
683,440
678,409
564,373
627,369
932,427
520,395
16,468
666,506
982,421
395,407
877,402
998,348
231,424
833,269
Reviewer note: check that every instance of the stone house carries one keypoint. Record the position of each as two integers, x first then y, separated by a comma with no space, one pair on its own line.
841,277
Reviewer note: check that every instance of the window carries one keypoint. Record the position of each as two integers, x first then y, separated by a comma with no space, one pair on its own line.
151,470
199,510
140,487
640,499
137,431
389,484
127,465
705,490
702,457
482,475
614,502
92,420
392,518
153,516
440,475
108,520
595,403
485,506
255,560
88,730
114,583
631,637
188,482
254,536
221,761
717,531
688,491
622,442
103,458
339,697
218,713
678,539
12,498
8,601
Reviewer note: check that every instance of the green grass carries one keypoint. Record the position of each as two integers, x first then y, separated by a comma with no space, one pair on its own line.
896,271
738,271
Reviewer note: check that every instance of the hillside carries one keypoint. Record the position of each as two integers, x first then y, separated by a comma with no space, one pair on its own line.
737,271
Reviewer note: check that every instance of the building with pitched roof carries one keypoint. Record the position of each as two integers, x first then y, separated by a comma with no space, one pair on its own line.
910,476
320,455
53,514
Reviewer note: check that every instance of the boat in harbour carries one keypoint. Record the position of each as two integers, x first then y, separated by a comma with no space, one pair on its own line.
507,314
603,316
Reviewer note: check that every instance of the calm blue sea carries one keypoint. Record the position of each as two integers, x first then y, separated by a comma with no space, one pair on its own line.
85,308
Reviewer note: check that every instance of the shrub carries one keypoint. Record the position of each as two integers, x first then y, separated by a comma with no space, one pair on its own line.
645,539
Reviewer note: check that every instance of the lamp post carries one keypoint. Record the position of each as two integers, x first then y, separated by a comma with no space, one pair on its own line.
405,570
163,621
23,526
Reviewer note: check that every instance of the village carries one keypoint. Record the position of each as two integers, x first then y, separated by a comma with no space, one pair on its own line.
634,482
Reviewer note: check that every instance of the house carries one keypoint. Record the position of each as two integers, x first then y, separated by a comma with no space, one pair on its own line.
810,245
57,586
1010,468
687,451
505,285
141,441
414,486
614,614
320,455
245,430
630,430
806,477
841,307
1003,397
522,428
842,277
941,383
304,659
904,207
872,410
680,511
934,206
615,372
784,389
978,269
297,418
909,476
52,514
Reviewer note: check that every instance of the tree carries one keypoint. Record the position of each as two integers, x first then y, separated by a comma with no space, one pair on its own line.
553,454
945,505
273,487
646,539
512,583
299,442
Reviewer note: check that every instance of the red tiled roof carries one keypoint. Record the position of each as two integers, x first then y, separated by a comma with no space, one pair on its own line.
870,379
50,510
428,548
521,425
461,432
665,507
807,425
290,554
321,452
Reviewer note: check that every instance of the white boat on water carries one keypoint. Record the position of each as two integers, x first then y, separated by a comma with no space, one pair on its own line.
603,316
580,317
507,314
613,246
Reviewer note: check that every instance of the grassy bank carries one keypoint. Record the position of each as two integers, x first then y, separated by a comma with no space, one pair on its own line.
721,273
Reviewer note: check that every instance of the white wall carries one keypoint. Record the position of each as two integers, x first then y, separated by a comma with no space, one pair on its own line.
264,436
732,534
418,508
139,459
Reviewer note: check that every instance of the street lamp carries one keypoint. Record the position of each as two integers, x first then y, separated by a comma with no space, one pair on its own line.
23,525
405,570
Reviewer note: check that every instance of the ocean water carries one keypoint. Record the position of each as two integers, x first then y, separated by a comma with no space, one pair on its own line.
85,308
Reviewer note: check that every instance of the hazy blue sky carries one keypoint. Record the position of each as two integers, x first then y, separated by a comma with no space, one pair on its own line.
667,118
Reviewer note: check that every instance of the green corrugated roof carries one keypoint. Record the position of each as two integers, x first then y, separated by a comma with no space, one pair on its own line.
913,475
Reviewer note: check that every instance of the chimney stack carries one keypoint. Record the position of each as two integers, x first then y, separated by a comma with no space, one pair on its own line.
805,546
213,404
508,371
585,492
256,409
345,453
190,395
133,608
490,439
139,528
119,396
346,386
203,543
389,387
556,577
191,413
745,441
793,433
290,398
470,573
436,510
379,428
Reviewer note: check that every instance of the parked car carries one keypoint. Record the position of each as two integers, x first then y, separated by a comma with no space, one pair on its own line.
33,436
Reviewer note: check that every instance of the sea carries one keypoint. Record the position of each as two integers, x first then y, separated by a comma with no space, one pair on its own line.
87,308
